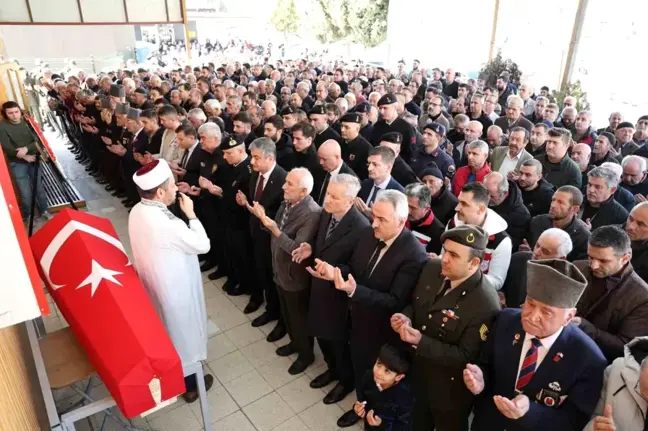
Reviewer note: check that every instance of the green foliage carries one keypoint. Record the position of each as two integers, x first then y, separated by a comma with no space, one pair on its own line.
573,89
492,70
359,21
285,17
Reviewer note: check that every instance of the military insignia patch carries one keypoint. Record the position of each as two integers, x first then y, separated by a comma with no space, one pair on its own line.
351,157
202,164
214,168
483,332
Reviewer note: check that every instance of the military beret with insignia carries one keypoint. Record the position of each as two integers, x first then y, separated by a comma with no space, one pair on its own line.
471,236
392,138
362,108
387,99
287,110
233,140
317,110
351,117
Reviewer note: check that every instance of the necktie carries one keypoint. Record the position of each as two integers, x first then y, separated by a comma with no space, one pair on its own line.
374,192
528,365
259,189
284,215
332,225
185,156
322,194
375,256
444,290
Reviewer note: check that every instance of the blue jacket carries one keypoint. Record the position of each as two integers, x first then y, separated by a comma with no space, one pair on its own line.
367,185
572,372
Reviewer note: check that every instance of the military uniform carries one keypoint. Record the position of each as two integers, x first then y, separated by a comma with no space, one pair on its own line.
398,125
454,325
401,171
328,133
308,159
356,152
212,166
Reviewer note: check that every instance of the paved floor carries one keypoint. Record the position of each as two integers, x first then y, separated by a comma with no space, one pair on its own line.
252,388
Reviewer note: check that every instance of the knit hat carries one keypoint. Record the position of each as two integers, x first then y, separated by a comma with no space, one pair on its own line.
431,169
610,137
555,282
624,125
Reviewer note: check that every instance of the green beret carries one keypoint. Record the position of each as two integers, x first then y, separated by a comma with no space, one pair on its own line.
387,99
468,235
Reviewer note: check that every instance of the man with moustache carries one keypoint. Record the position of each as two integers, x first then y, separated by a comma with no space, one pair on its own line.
536,192
637,229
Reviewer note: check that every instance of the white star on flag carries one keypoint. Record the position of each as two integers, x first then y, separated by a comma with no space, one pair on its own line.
99,273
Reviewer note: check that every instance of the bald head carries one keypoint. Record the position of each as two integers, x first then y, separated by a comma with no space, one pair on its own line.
497,186
473,131
581,154
637,224
330,155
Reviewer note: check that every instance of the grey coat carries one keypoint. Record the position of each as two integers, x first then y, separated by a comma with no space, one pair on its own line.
300,226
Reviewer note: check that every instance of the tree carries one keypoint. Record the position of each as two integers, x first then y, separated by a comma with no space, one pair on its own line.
492,70
359,21
285,17
573,89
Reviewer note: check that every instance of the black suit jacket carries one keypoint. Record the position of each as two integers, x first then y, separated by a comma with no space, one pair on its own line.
329,308
271,199
381,293
193,166
321,193
367,185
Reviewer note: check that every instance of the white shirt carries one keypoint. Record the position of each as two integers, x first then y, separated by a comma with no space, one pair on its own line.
509,164
381,186
265,178
542,350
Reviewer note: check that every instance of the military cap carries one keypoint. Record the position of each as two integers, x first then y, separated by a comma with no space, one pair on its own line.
351,117
122,108
610,137
431,169
392,137
141,90
471,236
555,282
387,99
318,110
105,103
439,129
287,110
117,90
233,140
361,108
625,124
133,114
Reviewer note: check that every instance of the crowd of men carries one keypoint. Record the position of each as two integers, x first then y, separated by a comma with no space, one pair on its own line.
484,230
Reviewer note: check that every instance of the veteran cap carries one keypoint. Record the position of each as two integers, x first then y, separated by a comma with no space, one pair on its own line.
233,141
106,104
133,114
122,108
468,235
351,117
436,127
555,282
117,90
318,110
392,138
387,99
287,110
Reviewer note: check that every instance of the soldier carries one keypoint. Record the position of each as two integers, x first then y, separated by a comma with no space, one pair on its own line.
318,120
447,323
390,122
355,148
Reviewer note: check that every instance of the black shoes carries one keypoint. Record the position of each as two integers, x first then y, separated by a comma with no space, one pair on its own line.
337,394
219,273
286,350
251,308
207,266
323,380
192,396
348,419
300,365
277,333
263,319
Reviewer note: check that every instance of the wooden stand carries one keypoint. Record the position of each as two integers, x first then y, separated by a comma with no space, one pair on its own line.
21,402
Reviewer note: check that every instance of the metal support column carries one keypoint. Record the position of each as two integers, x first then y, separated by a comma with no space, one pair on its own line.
579,19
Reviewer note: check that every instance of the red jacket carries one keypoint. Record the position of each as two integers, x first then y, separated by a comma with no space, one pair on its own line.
462,174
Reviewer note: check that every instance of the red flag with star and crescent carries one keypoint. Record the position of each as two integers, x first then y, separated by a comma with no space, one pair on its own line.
88,273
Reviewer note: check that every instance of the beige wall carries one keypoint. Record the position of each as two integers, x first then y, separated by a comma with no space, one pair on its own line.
54,43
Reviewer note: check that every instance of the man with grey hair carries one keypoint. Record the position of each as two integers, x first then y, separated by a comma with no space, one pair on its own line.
600,208
196,117
635,178
476,169
296,222
379,279
264,188
514,117
526,91
621,195
421,220
584,133
506,200
339,230
553,243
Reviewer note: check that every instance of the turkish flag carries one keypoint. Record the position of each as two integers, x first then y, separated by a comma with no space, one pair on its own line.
90,278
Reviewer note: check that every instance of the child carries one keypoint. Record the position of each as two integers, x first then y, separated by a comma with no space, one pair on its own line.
385,399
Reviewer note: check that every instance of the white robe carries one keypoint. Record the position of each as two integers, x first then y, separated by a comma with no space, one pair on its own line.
165,254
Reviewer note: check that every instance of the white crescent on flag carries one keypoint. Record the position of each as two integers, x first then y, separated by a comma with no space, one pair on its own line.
53,248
